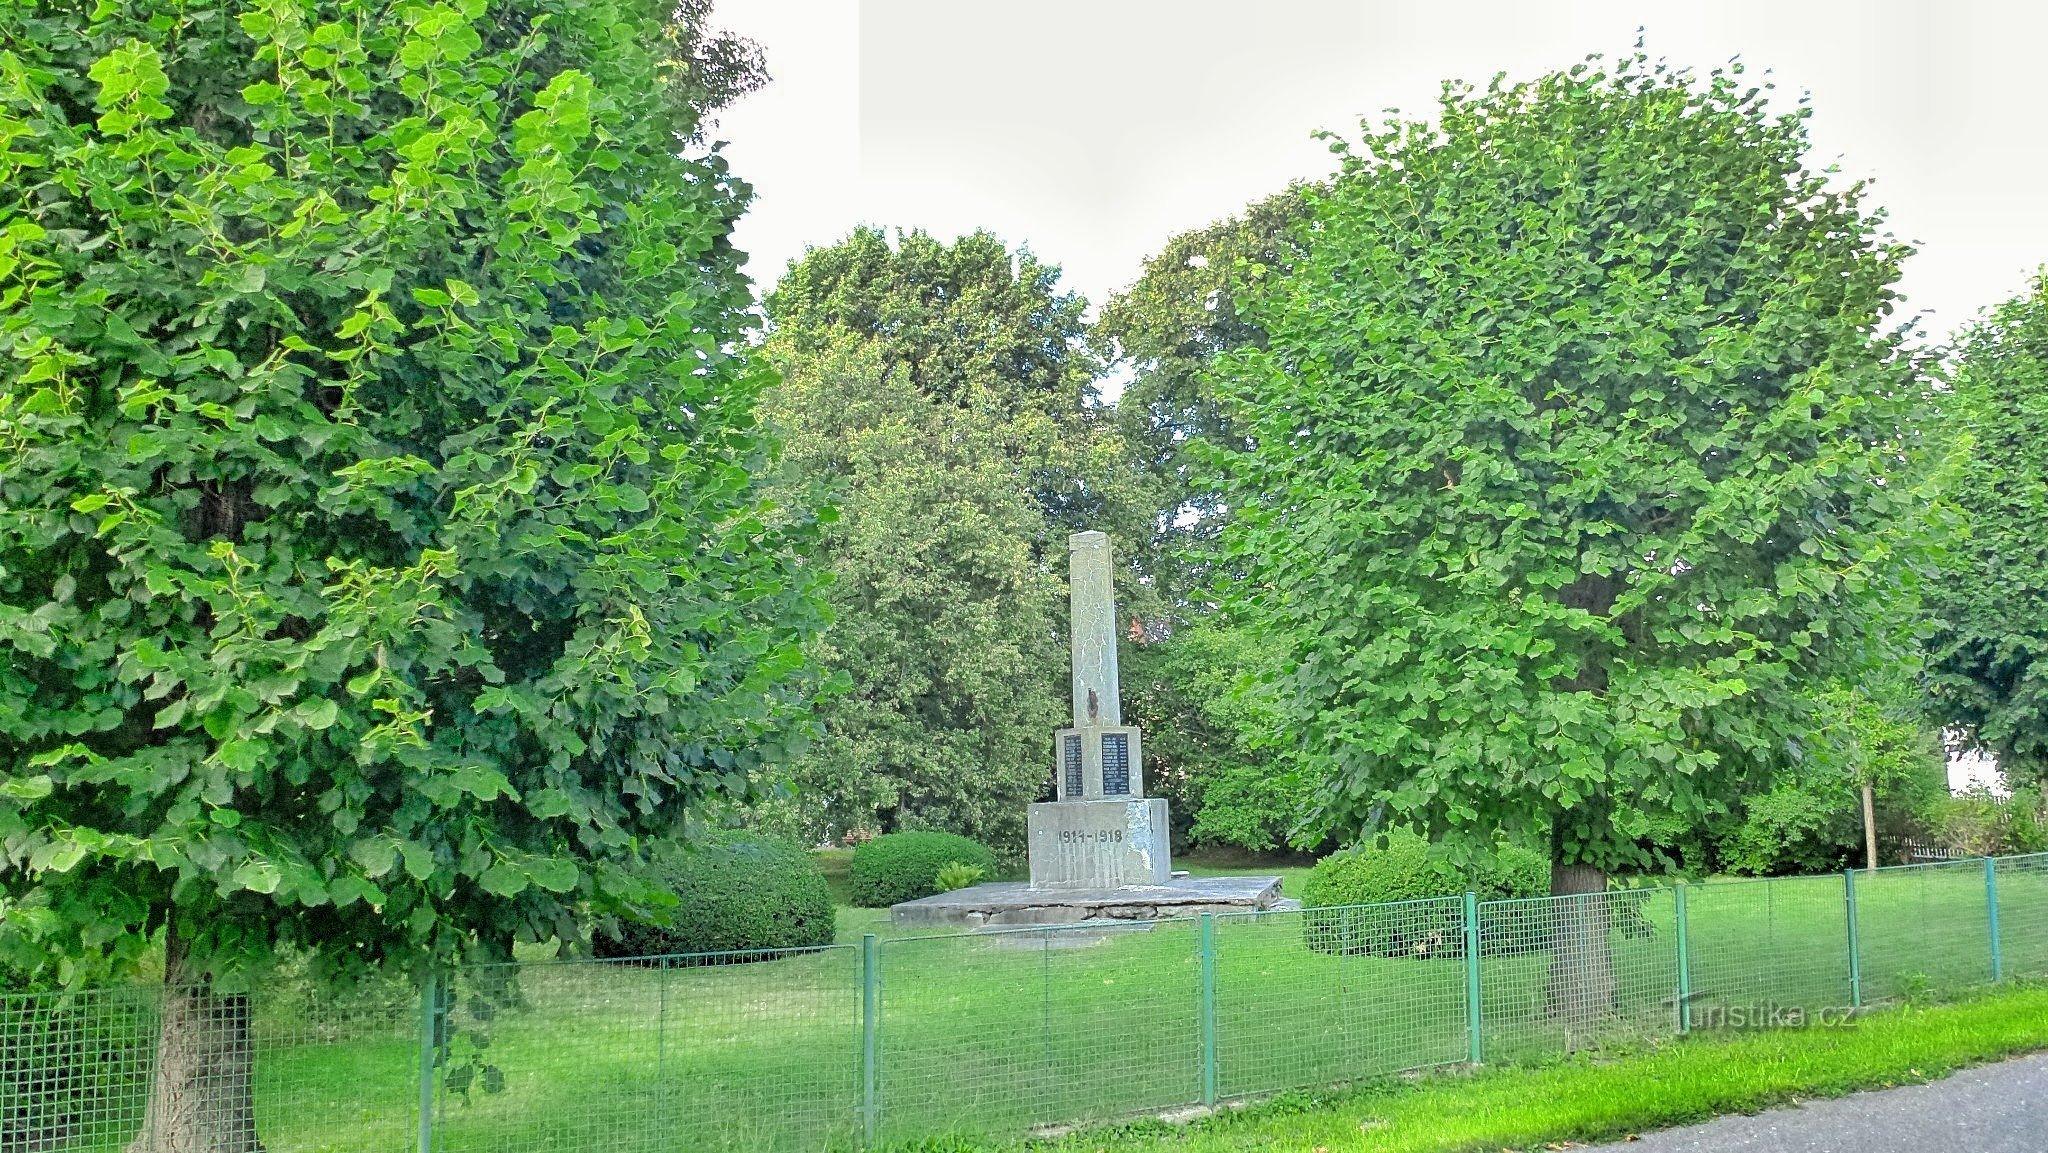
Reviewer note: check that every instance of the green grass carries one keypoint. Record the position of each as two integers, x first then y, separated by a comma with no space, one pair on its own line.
988,1036
837,865
1292,870
1583,1100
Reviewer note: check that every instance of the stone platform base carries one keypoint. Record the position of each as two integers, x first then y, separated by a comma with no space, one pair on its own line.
1009,903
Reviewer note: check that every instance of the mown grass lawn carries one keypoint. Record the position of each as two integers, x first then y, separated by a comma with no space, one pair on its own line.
1673,1082
985,1037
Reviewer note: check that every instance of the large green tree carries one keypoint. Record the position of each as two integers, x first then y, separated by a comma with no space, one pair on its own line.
946,634
1164,332
1581,443
945,392
946,317
1990,651
381,558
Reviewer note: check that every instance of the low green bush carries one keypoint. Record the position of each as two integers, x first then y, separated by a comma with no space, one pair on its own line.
905,866
1251,807
1408,868
1795,830
734,892
958,876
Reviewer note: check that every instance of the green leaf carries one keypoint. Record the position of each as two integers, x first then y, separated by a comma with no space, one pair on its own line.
171,714
504,880
554,875
27,788
376,856
316,714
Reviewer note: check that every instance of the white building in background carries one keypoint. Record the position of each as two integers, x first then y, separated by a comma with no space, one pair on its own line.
1969,770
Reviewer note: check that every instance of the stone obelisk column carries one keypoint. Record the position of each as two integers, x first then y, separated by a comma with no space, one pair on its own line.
1091,603
1102,832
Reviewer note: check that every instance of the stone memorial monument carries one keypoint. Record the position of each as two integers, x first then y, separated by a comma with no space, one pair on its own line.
1101,833
1100,850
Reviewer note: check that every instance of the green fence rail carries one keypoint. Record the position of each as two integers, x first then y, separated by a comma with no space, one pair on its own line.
902,1038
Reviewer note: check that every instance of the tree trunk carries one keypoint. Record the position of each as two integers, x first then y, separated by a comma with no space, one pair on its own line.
1581,986
1869,827
202,1097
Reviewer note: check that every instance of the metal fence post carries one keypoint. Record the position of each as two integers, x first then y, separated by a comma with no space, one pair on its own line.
1208,1008
1684,966
1855,947
1472,975
661,1086
1991,906
870,1027
430,1022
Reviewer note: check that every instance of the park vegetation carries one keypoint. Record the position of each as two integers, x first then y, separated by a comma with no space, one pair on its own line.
905,866
383,562
1990,648
941,396
418,539
743,892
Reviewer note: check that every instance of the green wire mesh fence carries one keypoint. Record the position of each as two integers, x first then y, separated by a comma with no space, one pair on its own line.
747,1051
77,1069
1315,996
1558,974
905,1038
1774,944
1009,1030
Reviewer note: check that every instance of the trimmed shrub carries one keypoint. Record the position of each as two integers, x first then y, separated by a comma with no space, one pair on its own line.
1408,868
734,892
905,866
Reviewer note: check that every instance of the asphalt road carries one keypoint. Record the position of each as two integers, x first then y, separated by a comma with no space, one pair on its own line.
1999,1108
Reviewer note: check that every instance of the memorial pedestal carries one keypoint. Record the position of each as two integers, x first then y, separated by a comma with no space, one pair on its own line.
1099,844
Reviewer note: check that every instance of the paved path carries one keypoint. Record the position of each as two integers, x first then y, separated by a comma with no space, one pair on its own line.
1999,1108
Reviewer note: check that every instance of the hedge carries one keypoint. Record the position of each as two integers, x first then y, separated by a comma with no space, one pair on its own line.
1408,868
736,892
905,866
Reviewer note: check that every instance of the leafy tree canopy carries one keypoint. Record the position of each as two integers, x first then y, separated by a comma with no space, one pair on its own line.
1580,443
1990,652
946,631
947,316
943,392
1168,327
381,558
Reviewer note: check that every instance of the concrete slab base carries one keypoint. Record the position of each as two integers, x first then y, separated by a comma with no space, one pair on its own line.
1011,903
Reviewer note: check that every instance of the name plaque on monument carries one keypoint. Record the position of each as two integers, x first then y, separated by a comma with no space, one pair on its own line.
1102,832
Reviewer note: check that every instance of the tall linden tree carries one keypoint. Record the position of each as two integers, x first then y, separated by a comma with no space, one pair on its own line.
381,560
1582,444
1989,652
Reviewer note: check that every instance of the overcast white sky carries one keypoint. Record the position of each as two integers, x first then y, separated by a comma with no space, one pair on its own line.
1091,130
